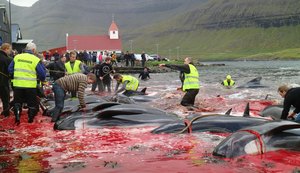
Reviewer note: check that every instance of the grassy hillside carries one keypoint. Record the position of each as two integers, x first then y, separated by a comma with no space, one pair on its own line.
226,30
222,44
204,29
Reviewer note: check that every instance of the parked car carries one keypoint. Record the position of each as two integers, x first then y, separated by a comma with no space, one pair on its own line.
159,58
139,57
156,57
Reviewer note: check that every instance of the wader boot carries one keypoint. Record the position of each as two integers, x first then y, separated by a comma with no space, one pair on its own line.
17,112
55,117
31,114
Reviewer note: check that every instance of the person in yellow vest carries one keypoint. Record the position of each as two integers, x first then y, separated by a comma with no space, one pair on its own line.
74,66
228,82
26,69
190,77
129,83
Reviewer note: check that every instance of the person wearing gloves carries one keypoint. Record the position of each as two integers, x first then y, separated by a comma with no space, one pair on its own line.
129,83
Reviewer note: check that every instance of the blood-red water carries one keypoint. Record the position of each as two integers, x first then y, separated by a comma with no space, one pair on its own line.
37,147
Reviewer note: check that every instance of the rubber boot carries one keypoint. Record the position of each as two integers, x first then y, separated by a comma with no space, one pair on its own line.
17,111
55,117
5,113
31,114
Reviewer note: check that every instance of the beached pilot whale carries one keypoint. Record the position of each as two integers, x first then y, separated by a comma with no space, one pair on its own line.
254,83
259,139
71,104
211,123
114,115
273,111
136,96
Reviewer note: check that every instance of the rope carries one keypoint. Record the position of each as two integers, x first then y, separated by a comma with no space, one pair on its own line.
189,123
4,74
260,140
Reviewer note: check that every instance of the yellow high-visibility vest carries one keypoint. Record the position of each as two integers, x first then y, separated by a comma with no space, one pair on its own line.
231,83
25,70
191,80
76,67
133,83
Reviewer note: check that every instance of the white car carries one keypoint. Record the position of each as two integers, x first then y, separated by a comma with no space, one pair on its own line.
139,57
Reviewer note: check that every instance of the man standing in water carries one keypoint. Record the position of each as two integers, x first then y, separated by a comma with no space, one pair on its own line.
291,98
228,82
190,81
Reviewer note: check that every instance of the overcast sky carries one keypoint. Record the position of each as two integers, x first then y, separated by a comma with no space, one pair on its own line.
24,3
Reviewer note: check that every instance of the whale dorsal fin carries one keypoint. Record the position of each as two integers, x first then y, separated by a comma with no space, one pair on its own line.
228,112
247,111
144,90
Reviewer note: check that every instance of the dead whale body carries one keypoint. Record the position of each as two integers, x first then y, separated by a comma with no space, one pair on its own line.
211,123
121,98
254,83
114,115
273,111
259,139
71,104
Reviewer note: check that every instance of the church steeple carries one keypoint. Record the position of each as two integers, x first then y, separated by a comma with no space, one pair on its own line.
113,30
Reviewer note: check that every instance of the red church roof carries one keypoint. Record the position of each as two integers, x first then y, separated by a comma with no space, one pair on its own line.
113,26
93,42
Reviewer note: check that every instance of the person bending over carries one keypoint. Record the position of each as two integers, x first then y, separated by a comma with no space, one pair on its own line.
73,83
129,83
291,98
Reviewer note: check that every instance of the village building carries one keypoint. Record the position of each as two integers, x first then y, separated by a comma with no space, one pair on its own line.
111,42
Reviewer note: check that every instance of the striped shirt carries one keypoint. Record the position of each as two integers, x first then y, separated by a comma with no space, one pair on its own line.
75,82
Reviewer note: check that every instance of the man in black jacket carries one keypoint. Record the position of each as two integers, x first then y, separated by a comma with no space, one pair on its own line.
57,68
5,60
145,74
96,70
291,98
105,70
143,59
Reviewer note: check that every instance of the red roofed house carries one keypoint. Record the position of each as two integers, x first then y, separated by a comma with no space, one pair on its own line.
110,42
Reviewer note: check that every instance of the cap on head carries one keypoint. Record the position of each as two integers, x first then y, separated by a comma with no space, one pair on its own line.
30,46
228,77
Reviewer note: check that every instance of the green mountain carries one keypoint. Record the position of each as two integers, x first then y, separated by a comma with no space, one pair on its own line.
204,29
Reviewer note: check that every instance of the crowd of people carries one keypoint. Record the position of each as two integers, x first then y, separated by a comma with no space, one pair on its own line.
25,72
71,72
